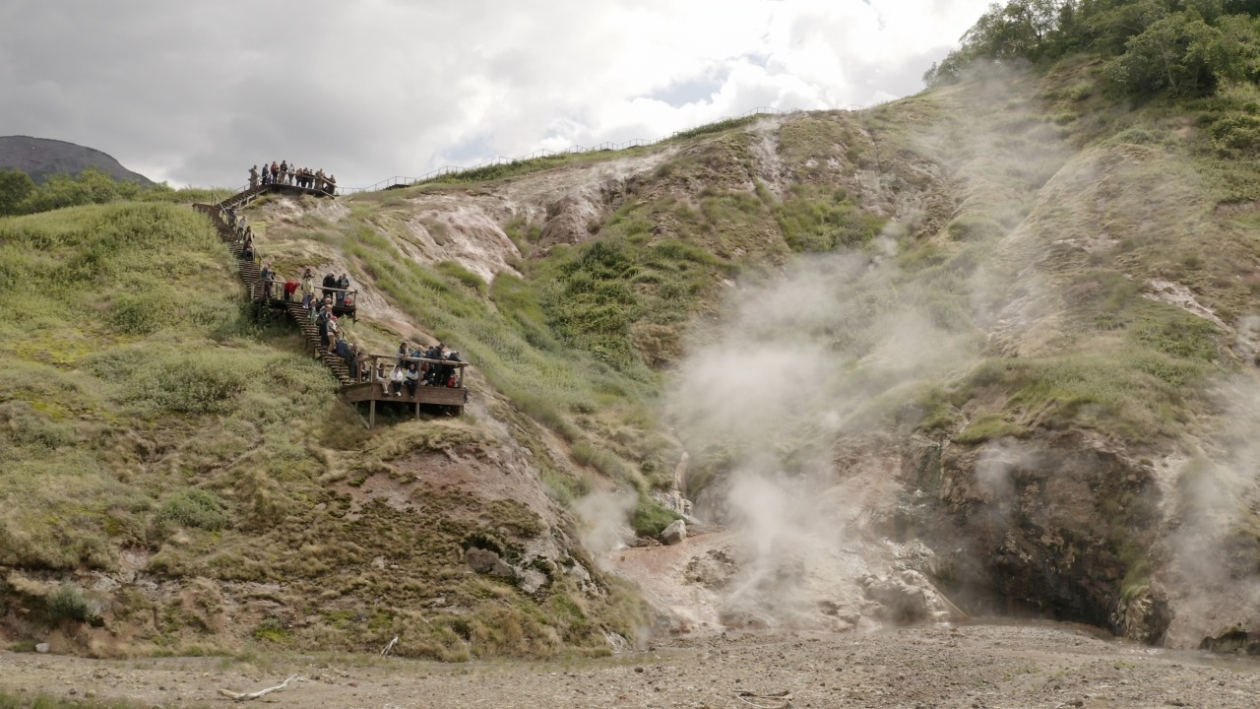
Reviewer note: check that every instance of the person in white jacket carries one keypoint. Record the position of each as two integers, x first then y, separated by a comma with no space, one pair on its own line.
396,379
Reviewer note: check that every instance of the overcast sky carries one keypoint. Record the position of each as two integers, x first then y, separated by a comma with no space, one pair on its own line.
195,93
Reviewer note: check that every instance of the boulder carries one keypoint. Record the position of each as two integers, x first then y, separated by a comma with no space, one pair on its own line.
1233,640
908,597
487,562
675,533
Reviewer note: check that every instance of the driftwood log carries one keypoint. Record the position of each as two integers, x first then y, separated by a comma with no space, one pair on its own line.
244,696
777,700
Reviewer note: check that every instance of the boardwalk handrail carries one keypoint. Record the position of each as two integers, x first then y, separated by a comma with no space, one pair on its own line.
250,275
246,193
443,387
376,360
257,257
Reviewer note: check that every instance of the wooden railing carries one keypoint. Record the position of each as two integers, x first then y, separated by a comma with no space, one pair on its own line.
357,385
378,372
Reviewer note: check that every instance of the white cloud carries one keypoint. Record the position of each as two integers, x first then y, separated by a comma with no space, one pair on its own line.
196,93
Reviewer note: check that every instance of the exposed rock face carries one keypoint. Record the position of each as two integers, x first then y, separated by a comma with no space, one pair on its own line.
1055,526
1233,640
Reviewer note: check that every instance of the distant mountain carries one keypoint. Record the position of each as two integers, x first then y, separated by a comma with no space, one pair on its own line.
41,158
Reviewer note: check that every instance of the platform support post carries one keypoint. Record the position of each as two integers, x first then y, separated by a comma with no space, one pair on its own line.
372,414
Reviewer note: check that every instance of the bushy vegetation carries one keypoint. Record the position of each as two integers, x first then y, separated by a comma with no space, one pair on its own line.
1179,46
20,195
12,700
814,224
195,509
507,331
715,127
124,328
67,603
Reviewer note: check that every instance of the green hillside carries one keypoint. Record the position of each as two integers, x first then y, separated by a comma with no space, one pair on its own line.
1027,295
153,432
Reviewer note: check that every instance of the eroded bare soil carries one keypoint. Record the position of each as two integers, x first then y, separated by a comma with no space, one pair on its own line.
973,665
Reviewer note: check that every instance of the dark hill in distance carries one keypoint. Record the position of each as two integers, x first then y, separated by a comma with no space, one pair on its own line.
41,158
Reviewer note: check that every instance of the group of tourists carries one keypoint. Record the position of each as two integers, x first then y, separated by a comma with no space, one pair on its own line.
338,289
416,368
335,291
333,340
435,366
242,230
282,173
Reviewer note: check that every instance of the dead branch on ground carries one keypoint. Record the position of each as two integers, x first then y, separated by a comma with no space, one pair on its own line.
390,646
784,699
244,696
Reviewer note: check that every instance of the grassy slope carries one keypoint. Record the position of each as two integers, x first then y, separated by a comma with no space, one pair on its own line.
968,171
144,383
1034,214
148,422
1132,202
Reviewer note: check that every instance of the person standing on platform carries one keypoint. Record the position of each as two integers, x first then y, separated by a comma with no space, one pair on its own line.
253,177
343,285
308,290
326,287
413,379
268,276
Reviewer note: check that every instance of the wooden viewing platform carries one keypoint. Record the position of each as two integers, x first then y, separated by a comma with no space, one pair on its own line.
377,387
355,386
249,194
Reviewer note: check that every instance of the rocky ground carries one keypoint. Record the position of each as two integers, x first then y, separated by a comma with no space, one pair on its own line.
973,665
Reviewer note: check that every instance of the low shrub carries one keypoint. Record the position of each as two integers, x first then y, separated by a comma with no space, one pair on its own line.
67,603
197,383
194,508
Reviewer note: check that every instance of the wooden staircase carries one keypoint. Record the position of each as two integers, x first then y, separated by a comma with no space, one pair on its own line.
451,399
251,275
244,197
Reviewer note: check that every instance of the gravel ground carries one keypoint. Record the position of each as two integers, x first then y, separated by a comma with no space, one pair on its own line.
973,665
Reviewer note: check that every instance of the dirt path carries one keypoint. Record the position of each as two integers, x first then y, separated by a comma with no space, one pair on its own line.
976,665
